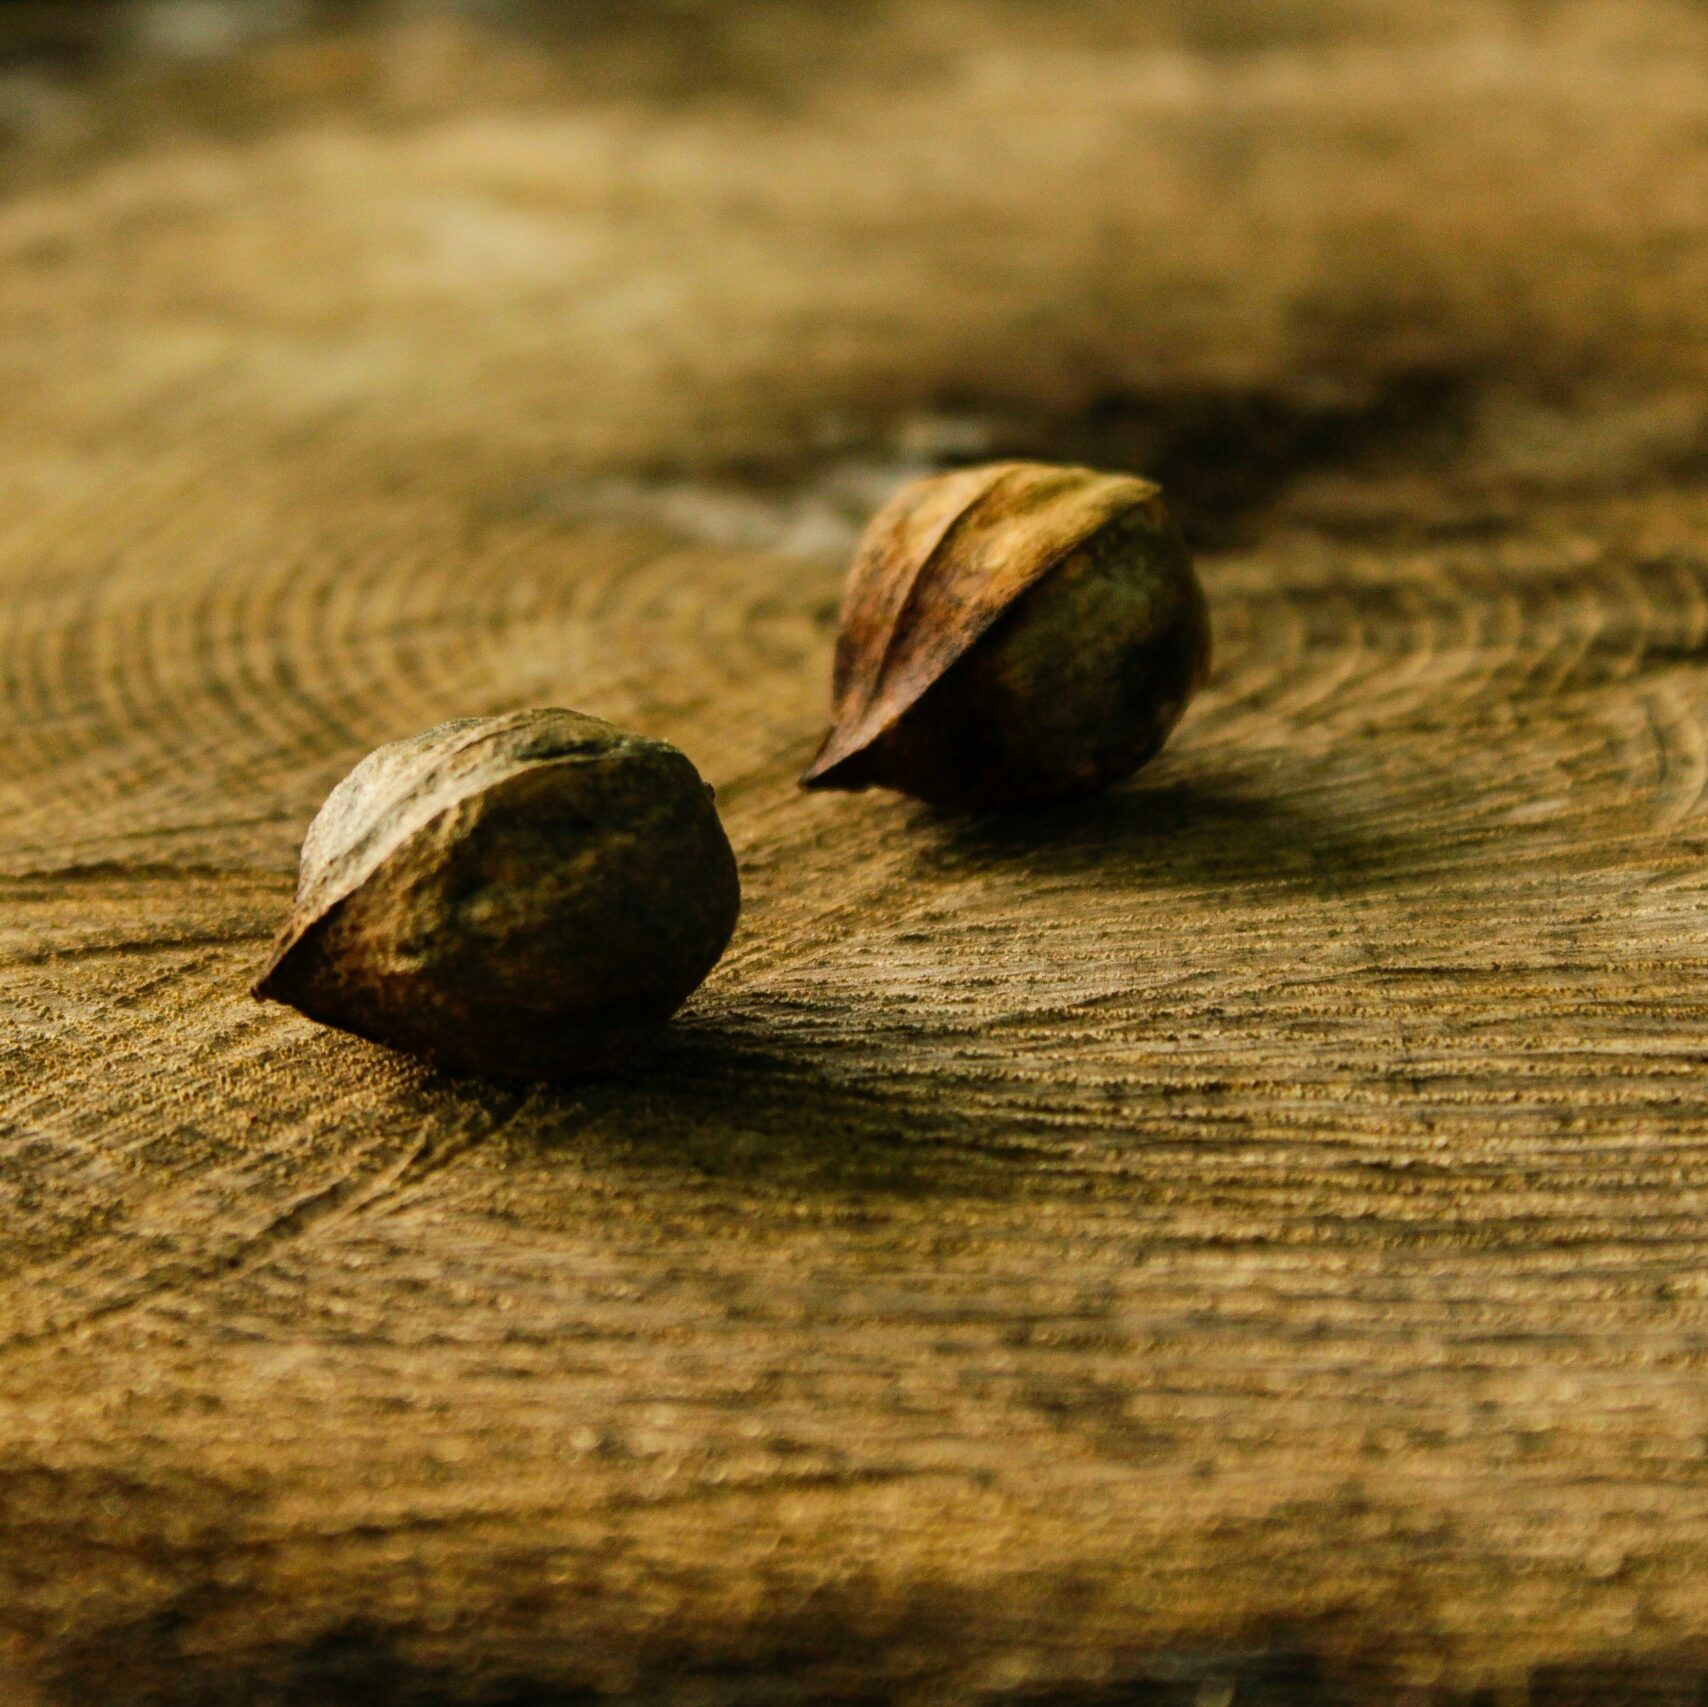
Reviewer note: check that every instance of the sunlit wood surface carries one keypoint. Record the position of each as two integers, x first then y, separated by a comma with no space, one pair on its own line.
1241,1240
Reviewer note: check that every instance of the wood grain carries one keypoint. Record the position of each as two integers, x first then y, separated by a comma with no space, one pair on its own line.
1238,1240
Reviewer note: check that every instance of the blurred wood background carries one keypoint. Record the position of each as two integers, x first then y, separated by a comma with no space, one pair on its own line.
1238,1241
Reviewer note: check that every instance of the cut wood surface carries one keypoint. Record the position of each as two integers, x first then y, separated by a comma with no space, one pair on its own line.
1240,1240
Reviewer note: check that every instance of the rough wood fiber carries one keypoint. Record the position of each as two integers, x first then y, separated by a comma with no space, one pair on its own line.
1240,1240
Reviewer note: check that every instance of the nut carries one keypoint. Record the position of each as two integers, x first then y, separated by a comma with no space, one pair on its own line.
1011,634
529,896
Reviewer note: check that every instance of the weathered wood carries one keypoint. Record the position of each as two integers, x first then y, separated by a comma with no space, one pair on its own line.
1241,1239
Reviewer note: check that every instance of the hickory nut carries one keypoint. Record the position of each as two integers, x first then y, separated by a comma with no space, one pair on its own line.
528,896
1010,634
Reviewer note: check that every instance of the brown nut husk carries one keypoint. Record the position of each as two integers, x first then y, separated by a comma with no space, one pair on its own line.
1012,634
529,896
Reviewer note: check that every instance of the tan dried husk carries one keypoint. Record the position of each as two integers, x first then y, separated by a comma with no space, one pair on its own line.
937,567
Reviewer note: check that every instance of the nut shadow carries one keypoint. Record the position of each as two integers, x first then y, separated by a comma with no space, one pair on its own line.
1168,833
844,1645
761,1101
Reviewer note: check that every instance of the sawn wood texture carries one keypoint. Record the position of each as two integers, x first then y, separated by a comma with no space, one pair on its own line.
1239,1240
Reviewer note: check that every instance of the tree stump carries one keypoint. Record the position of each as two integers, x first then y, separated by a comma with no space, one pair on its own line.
1236,1240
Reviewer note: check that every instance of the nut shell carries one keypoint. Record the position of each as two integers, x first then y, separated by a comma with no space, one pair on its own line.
1012,634
528,896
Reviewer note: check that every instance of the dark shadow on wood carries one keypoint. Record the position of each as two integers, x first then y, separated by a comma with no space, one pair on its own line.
747,1099
1152,834
1225,456
835,1653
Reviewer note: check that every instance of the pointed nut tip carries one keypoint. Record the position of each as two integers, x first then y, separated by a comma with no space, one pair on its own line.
821,765
831,773
265,986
